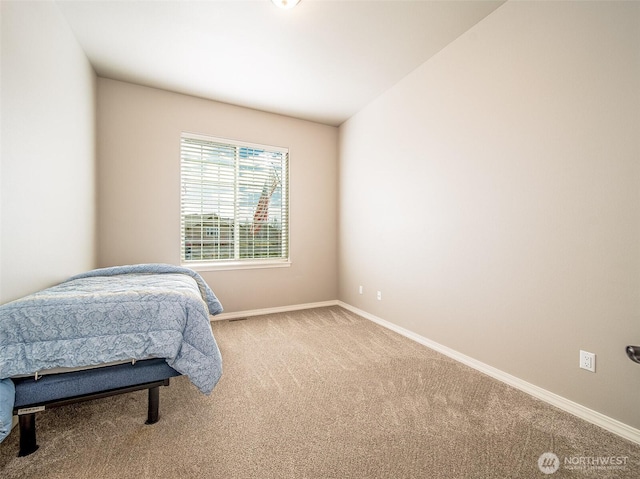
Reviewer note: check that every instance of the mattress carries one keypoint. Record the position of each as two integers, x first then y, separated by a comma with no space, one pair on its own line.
111,315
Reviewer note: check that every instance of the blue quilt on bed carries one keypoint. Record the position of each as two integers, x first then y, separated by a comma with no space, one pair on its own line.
111,314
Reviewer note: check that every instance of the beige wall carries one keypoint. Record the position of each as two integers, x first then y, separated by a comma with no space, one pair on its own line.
47,208
493,196
139,190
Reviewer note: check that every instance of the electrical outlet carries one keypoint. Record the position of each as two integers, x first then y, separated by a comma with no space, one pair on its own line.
588,361
360,289
379,295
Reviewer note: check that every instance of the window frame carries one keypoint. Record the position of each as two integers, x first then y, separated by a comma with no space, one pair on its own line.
237,263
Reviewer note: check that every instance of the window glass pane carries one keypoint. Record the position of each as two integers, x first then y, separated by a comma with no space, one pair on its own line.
234,201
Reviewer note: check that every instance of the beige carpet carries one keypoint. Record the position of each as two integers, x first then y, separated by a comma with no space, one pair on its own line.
321,393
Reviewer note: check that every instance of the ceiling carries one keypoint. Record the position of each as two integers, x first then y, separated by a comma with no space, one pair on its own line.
323,60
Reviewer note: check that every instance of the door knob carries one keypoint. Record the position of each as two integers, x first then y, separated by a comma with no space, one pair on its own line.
634,353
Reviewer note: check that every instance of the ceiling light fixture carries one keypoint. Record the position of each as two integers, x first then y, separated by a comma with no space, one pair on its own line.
285,4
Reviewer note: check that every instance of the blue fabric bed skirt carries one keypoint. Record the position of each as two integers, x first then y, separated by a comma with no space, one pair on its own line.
60,386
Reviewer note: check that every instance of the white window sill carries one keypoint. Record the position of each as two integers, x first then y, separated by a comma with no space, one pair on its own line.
234,265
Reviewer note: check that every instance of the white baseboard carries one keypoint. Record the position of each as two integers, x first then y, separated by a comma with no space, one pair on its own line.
594,417
279,309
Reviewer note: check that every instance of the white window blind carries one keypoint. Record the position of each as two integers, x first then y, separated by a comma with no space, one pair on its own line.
234,202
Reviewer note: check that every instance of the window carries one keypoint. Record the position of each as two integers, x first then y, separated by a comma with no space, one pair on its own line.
234,203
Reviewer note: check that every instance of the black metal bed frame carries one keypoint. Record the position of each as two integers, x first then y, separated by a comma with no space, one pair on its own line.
26,410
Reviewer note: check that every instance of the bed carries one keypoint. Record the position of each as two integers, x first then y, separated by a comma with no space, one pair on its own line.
104,332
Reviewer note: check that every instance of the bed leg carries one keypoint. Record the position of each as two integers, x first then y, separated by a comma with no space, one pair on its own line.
27,434
154,405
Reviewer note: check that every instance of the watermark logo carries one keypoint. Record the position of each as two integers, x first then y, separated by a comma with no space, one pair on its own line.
595,463
548,463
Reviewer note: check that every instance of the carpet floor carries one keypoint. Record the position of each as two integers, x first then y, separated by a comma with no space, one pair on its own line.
323,393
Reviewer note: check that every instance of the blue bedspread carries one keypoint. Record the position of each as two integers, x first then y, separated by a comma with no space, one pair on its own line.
111,314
